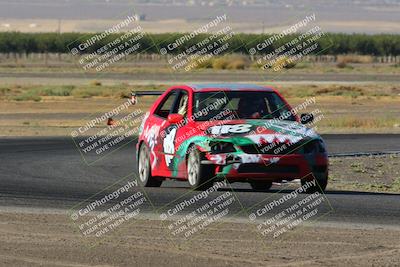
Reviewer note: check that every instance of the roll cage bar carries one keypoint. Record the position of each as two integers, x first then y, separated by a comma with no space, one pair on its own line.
136,94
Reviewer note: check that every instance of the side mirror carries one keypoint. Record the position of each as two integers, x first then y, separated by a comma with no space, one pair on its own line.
306,118
174,118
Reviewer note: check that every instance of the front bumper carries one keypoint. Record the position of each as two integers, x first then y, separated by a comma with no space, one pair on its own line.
242,166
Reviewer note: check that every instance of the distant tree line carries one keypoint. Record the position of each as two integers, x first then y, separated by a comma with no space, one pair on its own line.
330,43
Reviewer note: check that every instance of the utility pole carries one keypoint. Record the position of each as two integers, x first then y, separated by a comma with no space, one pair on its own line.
263,27
59,26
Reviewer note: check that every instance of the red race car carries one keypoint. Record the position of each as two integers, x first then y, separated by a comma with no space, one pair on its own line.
242,133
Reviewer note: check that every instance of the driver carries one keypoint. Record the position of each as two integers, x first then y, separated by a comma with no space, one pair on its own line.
251,108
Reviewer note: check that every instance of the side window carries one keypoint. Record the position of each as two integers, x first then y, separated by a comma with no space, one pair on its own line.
166,105
182,104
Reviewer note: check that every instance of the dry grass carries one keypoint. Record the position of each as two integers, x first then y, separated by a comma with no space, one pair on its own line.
204,63
351,109
351,91
352,58
348,91
228,62
239,62
343,65
95,88
284,63
350,121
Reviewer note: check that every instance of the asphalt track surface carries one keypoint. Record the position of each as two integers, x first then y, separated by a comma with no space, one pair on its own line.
42,172
203,77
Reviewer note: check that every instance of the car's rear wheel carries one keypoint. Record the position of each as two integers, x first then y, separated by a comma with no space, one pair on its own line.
261,185
320,184
199,175
145,177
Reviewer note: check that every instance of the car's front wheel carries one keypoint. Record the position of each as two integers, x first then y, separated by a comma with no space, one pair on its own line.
261,185
199,175
321,182
145,177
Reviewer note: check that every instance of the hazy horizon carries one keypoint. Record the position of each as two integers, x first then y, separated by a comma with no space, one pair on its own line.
335,16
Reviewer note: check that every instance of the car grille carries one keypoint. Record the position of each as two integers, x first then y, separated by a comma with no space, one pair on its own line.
271,168
271,149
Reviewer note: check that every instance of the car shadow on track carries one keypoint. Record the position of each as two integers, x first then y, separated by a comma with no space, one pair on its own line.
244,188
328,192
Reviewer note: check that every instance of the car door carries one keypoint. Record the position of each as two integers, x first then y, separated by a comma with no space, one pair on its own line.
159,120
172,134
179,132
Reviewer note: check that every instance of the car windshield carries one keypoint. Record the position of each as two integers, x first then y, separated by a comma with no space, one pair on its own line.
223,105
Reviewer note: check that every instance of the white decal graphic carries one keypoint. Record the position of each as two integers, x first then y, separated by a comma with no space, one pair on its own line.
226,129
168,145
269,138
236,166
274,160
150,134
218,159
249,158
145,117
297,129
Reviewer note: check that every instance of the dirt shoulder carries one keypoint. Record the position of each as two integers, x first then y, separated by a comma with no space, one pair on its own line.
50,240
367,174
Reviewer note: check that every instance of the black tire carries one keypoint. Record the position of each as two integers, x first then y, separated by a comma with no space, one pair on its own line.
144,169
320,185
200,176
261,185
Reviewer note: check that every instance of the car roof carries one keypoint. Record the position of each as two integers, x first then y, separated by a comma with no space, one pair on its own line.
227,87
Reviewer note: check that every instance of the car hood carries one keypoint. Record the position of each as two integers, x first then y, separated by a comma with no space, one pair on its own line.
257,131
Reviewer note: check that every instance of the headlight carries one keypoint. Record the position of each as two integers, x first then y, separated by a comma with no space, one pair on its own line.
314,146
221,147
